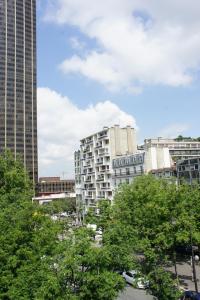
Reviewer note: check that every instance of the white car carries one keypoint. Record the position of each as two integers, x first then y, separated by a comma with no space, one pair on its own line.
132,277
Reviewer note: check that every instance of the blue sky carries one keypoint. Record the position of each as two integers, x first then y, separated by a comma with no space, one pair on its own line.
143,70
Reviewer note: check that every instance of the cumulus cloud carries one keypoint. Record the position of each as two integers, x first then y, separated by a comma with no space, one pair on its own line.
76,43
139,42
173,130
61,125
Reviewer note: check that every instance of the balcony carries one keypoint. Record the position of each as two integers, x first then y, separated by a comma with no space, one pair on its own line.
89,197
86,149
127,174
90,156
99,162
87,165
100,196
90,171
106,188
103,170
100,178
102,134
88,180
104,153
98,145
84,172
89,140
91,188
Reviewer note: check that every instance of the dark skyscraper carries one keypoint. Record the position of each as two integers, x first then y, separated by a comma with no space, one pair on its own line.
18,107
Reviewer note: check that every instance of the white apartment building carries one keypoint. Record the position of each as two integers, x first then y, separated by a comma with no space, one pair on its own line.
93,163
111,157
78,186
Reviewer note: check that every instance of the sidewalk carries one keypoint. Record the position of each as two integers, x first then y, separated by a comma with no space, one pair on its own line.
184,270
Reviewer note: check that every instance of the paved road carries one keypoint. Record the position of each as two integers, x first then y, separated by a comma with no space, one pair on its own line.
134,294
184,270
185,277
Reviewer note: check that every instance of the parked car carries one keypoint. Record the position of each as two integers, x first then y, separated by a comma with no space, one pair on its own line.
133,277
190,295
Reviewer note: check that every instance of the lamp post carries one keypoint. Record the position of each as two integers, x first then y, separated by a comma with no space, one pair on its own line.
173,223
193,262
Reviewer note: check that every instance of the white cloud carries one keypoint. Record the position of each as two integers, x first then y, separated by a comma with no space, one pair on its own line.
61,125
76,43
140,42
173,130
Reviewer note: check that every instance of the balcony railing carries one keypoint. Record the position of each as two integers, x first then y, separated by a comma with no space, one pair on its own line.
98,145
88,180
91,172
100,179
104,170
89,197
88,141
102,135
99,162
101,196
131,174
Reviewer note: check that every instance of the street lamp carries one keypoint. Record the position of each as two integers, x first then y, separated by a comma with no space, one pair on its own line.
173,223
193,261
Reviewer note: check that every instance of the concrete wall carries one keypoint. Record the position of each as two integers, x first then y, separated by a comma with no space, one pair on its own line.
122,141
157,158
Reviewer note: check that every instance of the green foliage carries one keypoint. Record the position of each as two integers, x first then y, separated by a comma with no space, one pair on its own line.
65,205
162,285
159,216
89,268
39,258
14,181
181,138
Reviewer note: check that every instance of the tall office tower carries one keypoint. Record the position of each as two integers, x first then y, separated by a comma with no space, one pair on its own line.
18,107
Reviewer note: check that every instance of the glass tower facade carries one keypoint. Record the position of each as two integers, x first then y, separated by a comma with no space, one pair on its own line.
18,106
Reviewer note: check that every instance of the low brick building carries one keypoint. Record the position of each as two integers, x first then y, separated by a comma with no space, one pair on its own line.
54,185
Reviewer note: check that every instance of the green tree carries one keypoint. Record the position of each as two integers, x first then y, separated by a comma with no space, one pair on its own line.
89,268
160,216
65,205
39,258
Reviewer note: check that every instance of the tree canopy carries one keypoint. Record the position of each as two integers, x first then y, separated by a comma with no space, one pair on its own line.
44,259
160,215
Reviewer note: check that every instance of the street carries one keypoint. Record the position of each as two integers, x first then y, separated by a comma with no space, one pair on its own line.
185,277
134,294
184,270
